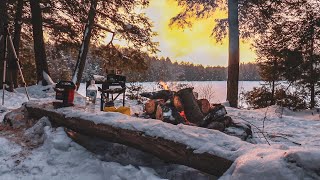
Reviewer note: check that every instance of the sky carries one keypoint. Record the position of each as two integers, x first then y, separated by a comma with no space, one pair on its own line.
195,44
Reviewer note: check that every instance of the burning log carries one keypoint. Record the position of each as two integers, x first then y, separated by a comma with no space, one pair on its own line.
204,105
151,106
177,103
191,108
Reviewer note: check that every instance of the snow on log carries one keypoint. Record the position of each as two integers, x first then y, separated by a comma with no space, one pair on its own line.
207,150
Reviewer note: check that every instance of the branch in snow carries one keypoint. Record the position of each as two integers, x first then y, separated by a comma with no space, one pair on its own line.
47,78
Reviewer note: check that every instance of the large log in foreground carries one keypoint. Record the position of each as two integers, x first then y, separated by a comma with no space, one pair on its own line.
165,149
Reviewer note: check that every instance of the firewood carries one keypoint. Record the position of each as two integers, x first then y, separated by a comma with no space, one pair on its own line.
169,114
204,105
215,114
151,106
159,113
191,108
163,94
217,126
177,103
227,121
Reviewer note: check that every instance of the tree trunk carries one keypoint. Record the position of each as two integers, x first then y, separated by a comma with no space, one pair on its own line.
82,56
39,46
312,78
233,68
16,43
272,92
3,21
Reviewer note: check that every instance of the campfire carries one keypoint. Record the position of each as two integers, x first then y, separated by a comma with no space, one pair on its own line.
183,107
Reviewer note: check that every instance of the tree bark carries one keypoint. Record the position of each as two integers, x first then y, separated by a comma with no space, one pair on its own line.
3,21
273,85
82,56
165,149
13,66
312,80
233,68
39,46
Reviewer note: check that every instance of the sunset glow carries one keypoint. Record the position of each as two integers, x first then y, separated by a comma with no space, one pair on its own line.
195,44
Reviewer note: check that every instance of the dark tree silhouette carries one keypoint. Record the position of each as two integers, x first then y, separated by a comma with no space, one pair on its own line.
38,41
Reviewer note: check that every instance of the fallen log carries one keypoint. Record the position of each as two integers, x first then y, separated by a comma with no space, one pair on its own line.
163,148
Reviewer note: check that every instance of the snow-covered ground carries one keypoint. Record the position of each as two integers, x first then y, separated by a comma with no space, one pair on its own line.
293,153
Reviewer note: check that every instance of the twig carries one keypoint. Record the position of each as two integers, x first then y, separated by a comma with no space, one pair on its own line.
264,118
255,127
286,139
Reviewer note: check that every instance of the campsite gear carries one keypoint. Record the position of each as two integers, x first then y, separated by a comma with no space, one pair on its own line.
6,37
65,92
113,80
92,91
90,105
122,109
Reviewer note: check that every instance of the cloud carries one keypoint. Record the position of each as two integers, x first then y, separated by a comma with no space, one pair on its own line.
195,44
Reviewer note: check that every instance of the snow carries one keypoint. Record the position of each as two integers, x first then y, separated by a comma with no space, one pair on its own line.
59,157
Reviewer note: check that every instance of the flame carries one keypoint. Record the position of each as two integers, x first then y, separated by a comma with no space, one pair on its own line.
164,85
183,114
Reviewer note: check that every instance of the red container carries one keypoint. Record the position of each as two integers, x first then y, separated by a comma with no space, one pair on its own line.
65,92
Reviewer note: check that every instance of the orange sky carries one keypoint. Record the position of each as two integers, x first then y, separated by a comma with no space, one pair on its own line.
194,45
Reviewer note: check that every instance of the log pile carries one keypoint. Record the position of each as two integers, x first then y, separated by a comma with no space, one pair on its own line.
183,107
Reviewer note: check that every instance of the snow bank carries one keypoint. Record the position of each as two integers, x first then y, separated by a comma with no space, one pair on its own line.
278,164
61,158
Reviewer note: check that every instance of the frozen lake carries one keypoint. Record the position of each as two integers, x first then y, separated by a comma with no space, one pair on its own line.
214,91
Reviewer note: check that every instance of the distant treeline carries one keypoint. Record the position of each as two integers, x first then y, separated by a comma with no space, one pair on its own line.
167,70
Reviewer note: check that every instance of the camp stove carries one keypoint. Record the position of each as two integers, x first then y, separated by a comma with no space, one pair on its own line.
65,92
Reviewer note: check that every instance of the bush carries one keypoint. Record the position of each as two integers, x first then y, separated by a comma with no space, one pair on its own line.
134,90
261,97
